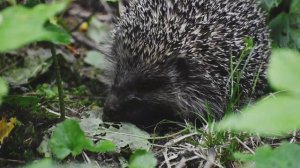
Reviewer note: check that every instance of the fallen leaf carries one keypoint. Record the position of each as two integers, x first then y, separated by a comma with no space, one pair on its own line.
126,134
6,127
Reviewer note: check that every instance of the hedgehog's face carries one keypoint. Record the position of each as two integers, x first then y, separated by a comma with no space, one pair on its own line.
143,97
139,100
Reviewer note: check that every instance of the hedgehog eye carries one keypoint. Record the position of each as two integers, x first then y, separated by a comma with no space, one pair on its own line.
133,98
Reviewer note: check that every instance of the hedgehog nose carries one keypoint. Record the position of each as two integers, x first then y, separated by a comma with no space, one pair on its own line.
111,105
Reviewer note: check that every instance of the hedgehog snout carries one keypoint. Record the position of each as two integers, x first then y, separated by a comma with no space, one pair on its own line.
111,107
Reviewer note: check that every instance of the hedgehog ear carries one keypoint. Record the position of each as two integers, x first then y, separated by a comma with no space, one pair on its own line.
182,67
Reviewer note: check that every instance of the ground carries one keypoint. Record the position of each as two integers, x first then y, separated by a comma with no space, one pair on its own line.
33,101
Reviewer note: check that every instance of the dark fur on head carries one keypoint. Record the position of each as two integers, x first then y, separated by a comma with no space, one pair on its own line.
171,58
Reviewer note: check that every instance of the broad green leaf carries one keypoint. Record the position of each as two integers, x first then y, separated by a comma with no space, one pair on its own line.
46,90
103,146
280,29
59,35
45,163
68,138
284,70
285,156
273,116
95,59
20,25
295,29
142,159
269,4
32,3
295,7
295,38
285,30
3,89
22,101
48,163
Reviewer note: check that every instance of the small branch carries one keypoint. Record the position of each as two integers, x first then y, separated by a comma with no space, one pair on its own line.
12,160
53,112
167,160
245,146
58,83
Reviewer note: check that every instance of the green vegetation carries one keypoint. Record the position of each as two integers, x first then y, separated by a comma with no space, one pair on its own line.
29,21
34,35
284,22
3,89
276,115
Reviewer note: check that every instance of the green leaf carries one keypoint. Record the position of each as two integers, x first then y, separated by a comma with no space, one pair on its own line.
45,90
295,7
284,70
103,146
244,157
20,25
45,163
32,3
280,29
3,89
95,59
273,116
269,4
287,155
295,38
59,35
68,138
285,30
22,101
142,159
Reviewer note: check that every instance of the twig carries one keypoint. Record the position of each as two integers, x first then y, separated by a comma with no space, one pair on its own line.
86,158
205,158
58,83
174,141
181,163
53,112
12,160
245,146
211,158
167,160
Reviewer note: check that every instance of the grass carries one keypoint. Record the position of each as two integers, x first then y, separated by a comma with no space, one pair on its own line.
205,145
189,143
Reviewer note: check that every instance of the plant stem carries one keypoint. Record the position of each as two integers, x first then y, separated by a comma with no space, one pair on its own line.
58,83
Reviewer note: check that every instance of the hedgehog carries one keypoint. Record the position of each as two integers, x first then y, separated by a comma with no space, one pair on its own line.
175,59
